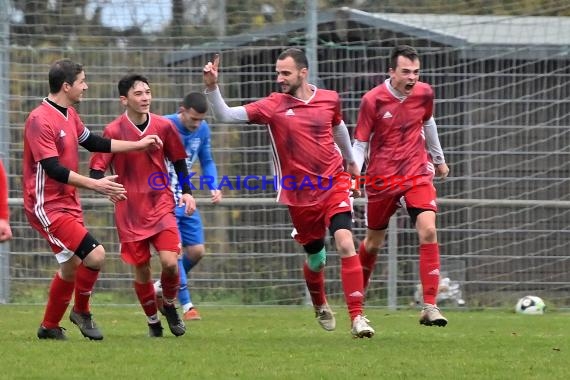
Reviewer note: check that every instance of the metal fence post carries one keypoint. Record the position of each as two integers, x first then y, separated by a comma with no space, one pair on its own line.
393,263
4,133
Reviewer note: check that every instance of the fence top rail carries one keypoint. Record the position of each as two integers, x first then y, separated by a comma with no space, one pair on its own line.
234,202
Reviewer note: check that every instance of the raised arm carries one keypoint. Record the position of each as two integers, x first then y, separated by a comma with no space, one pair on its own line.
222,112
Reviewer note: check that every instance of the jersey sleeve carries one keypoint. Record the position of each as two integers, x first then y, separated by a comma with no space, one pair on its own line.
365,121
429,104
205,156
102,161
42,139
82,131
261,111
337,118
173,147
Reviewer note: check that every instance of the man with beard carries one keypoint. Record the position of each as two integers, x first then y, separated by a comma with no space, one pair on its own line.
309,141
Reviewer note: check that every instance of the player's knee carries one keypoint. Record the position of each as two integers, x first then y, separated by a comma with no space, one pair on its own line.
372,249
195,252
169,264
374,241
95,258
427,234
68,269
143,273
344,243
170,269
317,261
91,252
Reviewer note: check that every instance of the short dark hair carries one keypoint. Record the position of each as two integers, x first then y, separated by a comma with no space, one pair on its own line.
404,51
195,100
128,81
298,56
63,71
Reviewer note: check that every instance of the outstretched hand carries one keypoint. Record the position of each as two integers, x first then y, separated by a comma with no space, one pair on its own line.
107,186
150,142
211,73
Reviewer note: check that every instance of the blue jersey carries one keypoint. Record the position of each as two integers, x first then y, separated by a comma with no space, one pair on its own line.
198,147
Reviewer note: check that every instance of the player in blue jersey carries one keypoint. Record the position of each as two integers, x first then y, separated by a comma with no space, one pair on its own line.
195,134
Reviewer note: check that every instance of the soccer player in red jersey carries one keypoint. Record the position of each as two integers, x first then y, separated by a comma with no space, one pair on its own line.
145,216
52,133
395,122
5,230
309,140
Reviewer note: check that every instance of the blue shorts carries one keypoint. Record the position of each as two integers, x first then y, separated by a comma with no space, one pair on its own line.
190,227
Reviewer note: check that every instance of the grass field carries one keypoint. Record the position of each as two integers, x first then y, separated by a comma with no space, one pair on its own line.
287,343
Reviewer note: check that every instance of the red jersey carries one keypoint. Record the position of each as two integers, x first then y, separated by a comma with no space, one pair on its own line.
49,133
394,130
142,214
304,152
4,211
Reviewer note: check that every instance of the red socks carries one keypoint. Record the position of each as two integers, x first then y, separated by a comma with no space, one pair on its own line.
316,285
170,285
59,296
368,261
147,298
352,284
85,279
429,271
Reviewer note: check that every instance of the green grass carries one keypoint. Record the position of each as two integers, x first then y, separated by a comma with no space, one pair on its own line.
287,343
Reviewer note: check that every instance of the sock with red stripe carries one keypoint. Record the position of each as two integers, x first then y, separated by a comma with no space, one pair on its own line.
368,261
429,271
170,285
352,284
85,279
59,296
316,284
147,299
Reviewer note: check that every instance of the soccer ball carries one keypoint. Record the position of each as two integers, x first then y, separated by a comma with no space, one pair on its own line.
531,305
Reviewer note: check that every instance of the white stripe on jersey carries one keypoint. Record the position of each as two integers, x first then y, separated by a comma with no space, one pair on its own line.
276,164
39,206
84,135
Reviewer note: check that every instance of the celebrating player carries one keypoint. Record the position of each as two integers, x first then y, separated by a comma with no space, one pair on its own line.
145,216
393,119
52,133
306,131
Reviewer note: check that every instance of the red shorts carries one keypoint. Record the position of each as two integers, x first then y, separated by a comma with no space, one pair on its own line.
138,252
311,222
379,210
64,234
